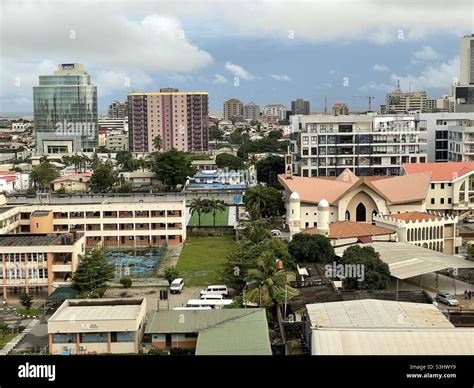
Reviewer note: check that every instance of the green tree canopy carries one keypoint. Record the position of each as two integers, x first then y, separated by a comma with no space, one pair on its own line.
215,205
376,272
125,161
43,174
230,161
93,271
269,168
199,206
103,178
26,300
311,248
171,273
173,168
216,134
267,199
265,144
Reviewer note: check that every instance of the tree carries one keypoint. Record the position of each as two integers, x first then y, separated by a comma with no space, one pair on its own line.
93,271
268,285
26,300
275,134
103,178
4,329
269,168
214,205
313,248
43,174
126,187
125,161
157,142
376,273
256,230
199,206
173,168
171,273
470,252
230,161
126,282
216,134
268,200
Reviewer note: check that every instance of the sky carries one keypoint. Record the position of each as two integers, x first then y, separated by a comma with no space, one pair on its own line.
266,51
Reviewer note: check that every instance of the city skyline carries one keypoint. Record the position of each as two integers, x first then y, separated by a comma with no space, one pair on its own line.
313,59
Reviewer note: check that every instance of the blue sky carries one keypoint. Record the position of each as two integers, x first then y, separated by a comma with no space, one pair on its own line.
279,50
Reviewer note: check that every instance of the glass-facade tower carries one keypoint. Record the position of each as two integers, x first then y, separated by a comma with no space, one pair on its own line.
65,111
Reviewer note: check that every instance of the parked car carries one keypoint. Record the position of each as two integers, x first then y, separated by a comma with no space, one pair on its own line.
469,220
276,232
447,298
215,290
212,296
176,286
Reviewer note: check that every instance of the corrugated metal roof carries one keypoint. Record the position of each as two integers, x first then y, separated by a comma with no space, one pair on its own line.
190,321
393,342
87,313
374,313
409,260
247,335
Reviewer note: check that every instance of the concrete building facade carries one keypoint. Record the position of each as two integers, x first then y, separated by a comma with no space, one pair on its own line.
233,108
181,119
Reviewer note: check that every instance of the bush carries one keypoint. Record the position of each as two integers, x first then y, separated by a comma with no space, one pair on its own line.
26,300
171,273
126,282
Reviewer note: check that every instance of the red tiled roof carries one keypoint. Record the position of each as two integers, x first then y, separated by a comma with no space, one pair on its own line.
445,171
395,189
351,229
413,216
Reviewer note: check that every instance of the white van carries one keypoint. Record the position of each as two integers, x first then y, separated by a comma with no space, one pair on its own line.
211,297
215,290
176,286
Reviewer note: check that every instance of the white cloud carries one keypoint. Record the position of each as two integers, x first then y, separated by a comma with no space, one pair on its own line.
432,76
378,87
381,68
219,79
111,81
426,53
238,71
280,77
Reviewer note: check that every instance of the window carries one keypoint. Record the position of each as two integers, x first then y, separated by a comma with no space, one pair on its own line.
442,201
122,336
442,185
432,186
432,201
450,201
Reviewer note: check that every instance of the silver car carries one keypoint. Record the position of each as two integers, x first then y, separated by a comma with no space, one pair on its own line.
447,298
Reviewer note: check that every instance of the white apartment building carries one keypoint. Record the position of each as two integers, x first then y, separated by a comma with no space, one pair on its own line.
438,138
277,110
367,144
251,111
116,141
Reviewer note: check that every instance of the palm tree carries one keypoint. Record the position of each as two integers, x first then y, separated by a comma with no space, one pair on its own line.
214,206
269,285
256,230
199,206
256,198
157,142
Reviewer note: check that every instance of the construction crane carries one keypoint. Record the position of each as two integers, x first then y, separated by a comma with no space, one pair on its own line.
369,99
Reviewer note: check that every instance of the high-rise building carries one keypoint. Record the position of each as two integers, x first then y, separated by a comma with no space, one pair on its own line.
466,75
251,111
340,108
65,111
181,119
300,107
275,110
325,145
233,108
403,102
117,110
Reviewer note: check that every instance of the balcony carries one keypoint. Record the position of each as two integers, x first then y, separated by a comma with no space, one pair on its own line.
110,214
126,214
110,227
61,267
92,227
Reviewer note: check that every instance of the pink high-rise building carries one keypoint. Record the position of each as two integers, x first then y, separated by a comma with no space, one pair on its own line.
180,118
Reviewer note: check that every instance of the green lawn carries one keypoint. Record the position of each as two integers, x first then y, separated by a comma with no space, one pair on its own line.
32,312
6,339
202,258
207,219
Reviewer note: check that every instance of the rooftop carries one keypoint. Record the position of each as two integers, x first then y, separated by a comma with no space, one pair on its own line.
351,229
103,309
375,313
408,260
441,172
395,189
414,216
29,239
